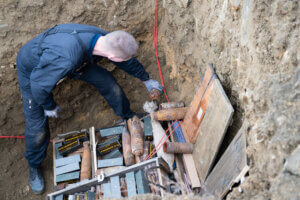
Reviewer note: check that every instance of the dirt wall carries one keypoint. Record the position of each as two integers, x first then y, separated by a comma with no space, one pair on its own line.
254,46
254,49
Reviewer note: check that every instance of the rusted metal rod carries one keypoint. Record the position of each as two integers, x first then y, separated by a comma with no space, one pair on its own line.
178,147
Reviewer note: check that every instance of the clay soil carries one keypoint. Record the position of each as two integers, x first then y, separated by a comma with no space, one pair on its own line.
254,47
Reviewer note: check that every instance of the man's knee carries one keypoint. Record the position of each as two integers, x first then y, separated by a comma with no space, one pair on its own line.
36,140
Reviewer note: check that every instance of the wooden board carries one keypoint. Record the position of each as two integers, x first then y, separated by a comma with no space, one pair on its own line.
191,170
213,127
230,168
55,141
93,150
193,118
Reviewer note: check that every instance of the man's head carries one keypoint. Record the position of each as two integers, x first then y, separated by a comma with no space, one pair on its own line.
119,46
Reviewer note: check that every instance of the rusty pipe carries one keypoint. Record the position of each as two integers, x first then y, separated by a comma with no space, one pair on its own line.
168,105
170,114
178,147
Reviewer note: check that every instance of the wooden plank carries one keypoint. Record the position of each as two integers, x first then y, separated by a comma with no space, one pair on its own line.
191,120
55,146
106,190
115,187
142,183
67,168
68,176
130,181
231,167
117,130
110,162
213,127
191,170
67,160
93,150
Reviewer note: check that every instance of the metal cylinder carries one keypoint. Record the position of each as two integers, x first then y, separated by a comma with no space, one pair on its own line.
170,114
126,145
137,136
178,147
168,105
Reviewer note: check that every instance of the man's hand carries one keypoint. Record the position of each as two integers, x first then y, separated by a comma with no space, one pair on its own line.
52,113
154,88
153,84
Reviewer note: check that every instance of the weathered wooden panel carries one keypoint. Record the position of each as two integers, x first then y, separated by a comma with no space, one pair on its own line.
230,168
197,108
213,127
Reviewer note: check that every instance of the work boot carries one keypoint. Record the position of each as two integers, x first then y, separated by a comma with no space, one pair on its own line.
36,180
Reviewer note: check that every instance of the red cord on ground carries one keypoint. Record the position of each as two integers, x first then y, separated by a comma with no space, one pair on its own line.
17,137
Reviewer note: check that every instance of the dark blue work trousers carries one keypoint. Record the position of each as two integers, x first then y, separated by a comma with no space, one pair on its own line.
37,133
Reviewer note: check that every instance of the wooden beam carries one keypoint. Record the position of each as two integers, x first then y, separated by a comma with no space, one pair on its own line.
231,167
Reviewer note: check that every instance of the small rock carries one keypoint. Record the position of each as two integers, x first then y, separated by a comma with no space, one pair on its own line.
2,67
292,164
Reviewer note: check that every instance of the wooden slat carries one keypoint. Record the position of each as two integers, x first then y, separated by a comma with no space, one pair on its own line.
191,170
191,122
230,168
93,150
213,127
55,141
115,187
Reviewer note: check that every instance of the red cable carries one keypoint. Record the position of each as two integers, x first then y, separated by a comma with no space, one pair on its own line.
21,137
12,137
156,49
151,154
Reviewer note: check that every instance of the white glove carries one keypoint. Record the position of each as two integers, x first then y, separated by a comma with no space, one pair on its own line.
153,84
52,113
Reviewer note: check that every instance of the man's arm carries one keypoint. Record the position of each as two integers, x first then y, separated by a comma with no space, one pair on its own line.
134,68
44,77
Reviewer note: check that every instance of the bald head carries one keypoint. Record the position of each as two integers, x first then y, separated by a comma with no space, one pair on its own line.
121,44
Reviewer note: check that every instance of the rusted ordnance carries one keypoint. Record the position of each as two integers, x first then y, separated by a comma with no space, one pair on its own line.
137,136
85,172
169,114
169,105
178,147
126,145
154,94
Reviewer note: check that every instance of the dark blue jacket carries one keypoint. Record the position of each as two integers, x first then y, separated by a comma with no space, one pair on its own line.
59,55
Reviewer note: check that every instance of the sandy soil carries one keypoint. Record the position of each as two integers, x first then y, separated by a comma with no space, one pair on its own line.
254,47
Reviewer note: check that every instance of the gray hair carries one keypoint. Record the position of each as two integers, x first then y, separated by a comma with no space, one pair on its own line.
122,44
